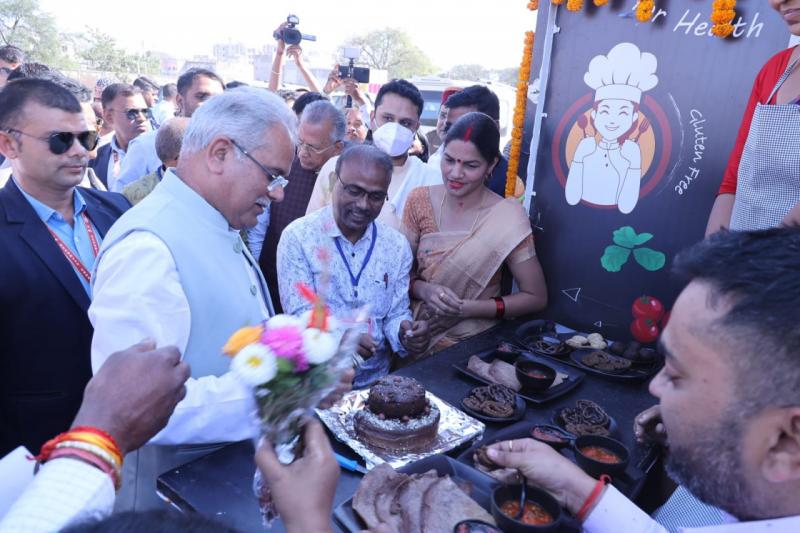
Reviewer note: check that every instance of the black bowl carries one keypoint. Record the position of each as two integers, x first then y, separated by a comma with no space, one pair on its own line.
596,468
530,383
475,526
505,493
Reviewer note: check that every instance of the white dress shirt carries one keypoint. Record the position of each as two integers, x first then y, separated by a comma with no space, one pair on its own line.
140,160
119,154
138,295
615,513
64,492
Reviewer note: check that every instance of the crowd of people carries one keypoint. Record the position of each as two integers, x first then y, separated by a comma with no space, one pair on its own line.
142,224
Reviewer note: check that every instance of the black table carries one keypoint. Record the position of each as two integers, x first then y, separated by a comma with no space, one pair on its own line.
220,484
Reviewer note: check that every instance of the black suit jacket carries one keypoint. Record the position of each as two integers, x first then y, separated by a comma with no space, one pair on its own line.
100,163
45,334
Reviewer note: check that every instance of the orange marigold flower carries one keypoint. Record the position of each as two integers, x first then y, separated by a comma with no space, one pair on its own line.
557,2
722,17
533,5
644,11
722,30
574,5
600,3
242,338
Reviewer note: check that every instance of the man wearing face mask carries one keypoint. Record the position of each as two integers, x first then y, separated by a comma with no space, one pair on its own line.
367,262
395,120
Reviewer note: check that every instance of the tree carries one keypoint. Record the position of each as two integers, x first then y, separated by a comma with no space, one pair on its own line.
100,51
392,50
25,26
470,72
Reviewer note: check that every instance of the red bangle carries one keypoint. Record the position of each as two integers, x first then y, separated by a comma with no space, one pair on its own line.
595,494
500,305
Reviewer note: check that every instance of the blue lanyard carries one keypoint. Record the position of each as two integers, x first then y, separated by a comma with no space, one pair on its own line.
355,279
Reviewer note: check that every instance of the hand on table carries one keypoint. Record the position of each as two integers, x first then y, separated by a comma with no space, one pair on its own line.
414,336
134,393
303,490
546,468
648,427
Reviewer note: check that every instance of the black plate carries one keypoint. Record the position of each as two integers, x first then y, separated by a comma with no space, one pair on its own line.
482,487
630,484
613,428
519,412
552,338
531,331
574,377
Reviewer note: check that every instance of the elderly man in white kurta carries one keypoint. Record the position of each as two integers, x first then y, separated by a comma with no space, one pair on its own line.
176,270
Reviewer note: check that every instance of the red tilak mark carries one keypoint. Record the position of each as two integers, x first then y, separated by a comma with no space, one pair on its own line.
468,133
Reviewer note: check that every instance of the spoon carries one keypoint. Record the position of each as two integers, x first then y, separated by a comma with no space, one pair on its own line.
523,495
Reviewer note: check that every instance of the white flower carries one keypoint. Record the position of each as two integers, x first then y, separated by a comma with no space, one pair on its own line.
319,346
283,320
255,365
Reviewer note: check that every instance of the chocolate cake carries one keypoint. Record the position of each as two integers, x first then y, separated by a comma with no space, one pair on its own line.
397,416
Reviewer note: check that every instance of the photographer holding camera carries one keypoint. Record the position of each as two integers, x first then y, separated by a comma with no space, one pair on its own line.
288,42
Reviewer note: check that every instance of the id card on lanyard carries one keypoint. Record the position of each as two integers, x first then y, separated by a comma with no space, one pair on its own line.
354,279
71,257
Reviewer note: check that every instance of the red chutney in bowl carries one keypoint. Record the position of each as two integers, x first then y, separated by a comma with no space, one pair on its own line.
599,453
534,514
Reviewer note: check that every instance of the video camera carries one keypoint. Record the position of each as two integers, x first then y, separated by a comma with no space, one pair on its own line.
290,34
360,74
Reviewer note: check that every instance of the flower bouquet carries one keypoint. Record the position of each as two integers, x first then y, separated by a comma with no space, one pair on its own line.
292,363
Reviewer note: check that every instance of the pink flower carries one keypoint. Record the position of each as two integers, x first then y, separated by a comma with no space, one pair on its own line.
286,342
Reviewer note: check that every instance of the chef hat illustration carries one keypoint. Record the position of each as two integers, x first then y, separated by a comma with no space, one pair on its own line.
624,74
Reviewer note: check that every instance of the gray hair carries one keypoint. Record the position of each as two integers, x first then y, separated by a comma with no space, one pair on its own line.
169,138
242,114
322,111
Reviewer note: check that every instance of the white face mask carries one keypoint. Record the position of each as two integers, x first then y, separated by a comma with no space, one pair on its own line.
393,139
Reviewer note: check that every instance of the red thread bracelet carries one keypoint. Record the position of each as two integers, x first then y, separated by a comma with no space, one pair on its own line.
500,306
593,496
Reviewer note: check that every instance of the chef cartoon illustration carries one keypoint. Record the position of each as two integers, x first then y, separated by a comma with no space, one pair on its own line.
606,169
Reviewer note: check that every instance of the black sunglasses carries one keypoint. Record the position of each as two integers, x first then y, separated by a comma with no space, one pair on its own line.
60,142
132,113
357,192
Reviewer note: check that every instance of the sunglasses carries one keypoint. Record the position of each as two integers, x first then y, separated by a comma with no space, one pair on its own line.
274,181
133,113
60,142
356,192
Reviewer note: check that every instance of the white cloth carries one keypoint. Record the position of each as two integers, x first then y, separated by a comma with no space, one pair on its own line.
138,295
111,176
64,492
163,111
412,174
615,513
5,172
435,160
623,74
257,234
140,160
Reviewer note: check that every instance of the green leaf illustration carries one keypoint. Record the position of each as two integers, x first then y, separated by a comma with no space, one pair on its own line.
643,238
650,259
625,237
614,257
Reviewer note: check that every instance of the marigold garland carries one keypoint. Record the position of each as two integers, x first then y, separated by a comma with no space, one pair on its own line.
722,14
519,115
557,2
644,11
533,5
574,5
600,3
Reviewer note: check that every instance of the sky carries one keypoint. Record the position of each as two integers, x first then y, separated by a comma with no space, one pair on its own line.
450,32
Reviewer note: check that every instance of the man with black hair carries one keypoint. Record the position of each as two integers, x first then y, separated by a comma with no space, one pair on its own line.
50,231
149,90
165,108
729,400
394,122
195,86
481,99
10,58
124,108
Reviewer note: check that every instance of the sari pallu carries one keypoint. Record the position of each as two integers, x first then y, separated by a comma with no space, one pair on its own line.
469,265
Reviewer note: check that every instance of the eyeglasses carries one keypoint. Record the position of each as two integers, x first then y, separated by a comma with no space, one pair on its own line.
60,142
357,192
133,113
274,181
316,151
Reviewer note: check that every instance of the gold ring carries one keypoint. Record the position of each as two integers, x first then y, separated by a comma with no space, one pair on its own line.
441,295
511,445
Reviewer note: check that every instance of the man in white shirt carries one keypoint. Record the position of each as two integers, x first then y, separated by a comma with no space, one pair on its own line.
395,119
729,400
177,271
195,86
165,108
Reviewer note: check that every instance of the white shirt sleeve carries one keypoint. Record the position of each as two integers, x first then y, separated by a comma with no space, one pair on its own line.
140,159
64,492
257,234
614,512
137,294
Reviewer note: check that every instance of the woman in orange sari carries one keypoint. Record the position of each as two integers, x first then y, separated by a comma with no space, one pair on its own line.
461,234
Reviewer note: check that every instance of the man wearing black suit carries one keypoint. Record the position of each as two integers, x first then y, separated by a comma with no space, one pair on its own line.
50,231
125,110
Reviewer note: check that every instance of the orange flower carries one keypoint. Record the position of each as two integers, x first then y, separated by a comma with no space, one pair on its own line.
558,3
242,338
599,3
644,11
574,5
533,5
722,15
722,30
